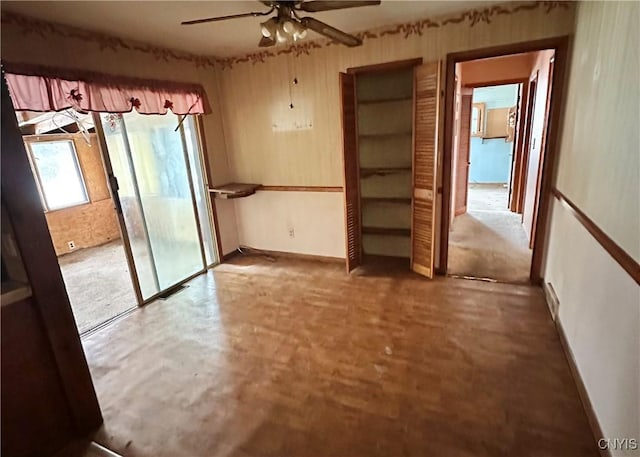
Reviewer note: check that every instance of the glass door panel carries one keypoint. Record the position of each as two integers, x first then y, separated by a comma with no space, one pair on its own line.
201,189
150,160
129,201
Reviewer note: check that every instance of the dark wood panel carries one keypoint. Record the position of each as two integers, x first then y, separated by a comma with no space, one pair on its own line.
36,419
22,201
619,255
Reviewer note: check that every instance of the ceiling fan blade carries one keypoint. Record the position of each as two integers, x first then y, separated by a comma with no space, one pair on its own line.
330,32
266,42
223,18
322,5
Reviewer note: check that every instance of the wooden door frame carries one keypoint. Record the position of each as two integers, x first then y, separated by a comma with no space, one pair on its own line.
354,72
467,133
560,45
543,146
528,131
517,183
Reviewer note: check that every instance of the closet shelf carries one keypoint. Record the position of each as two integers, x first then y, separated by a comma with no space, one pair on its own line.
386,200
366,172
385,100
386,231
383,135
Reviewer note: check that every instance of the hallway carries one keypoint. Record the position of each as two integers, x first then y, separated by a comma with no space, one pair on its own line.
489,241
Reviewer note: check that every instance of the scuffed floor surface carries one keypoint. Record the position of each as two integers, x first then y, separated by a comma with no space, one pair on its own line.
297,358
98,283
489,241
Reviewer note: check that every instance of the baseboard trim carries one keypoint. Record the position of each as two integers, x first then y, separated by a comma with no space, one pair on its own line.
229,255
582,390
282,254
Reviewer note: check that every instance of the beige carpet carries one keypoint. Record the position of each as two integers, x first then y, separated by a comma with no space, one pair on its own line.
98,284
489,241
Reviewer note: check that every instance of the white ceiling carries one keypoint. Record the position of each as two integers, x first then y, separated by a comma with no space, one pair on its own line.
158,22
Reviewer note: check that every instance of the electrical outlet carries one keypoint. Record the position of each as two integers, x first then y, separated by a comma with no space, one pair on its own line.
292,233
71,245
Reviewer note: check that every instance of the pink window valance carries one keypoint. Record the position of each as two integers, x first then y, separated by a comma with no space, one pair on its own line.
35,88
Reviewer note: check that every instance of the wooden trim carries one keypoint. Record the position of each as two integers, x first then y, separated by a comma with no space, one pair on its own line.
517,183
560,45
386,66
228,256
214,210
302,188
532,89
619,255
292,255
500,82
582,390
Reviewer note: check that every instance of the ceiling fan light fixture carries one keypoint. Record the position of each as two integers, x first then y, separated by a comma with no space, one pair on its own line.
299,31
268,28
281,35
288,27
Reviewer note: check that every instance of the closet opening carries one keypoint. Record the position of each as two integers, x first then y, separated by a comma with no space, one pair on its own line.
390,121
499,140
385,129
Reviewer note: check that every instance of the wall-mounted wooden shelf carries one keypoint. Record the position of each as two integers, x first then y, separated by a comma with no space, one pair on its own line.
234,190
386,231
366,172
386,200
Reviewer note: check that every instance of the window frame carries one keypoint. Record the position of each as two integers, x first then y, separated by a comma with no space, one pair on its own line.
36,172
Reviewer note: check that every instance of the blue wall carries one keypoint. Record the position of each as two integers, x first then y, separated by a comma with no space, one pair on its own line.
491,158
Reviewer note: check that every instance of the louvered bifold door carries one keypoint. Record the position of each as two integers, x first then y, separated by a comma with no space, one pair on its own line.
425,145
351,170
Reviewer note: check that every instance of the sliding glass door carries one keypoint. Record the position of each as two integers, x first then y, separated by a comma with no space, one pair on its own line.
162,197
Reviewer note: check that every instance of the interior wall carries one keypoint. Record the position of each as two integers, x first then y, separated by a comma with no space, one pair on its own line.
536,143
269,143
491,157
496,69
61,46
599,167
288,224
89,224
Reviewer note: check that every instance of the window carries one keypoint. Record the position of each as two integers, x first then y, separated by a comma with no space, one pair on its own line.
477,119
57,173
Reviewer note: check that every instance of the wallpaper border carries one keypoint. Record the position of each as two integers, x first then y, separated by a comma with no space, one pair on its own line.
44,29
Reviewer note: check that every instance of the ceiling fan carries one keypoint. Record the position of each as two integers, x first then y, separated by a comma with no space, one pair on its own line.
287,25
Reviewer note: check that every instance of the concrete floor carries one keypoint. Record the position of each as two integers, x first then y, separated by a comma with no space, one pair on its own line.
98,284
489,241
297,358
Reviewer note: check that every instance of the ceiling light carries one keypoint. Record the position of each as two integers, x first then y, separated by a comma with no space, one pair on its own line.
269,27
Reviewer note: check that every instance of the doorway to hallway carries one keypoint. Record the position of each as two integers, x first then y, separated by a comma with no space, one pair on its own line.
498,144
